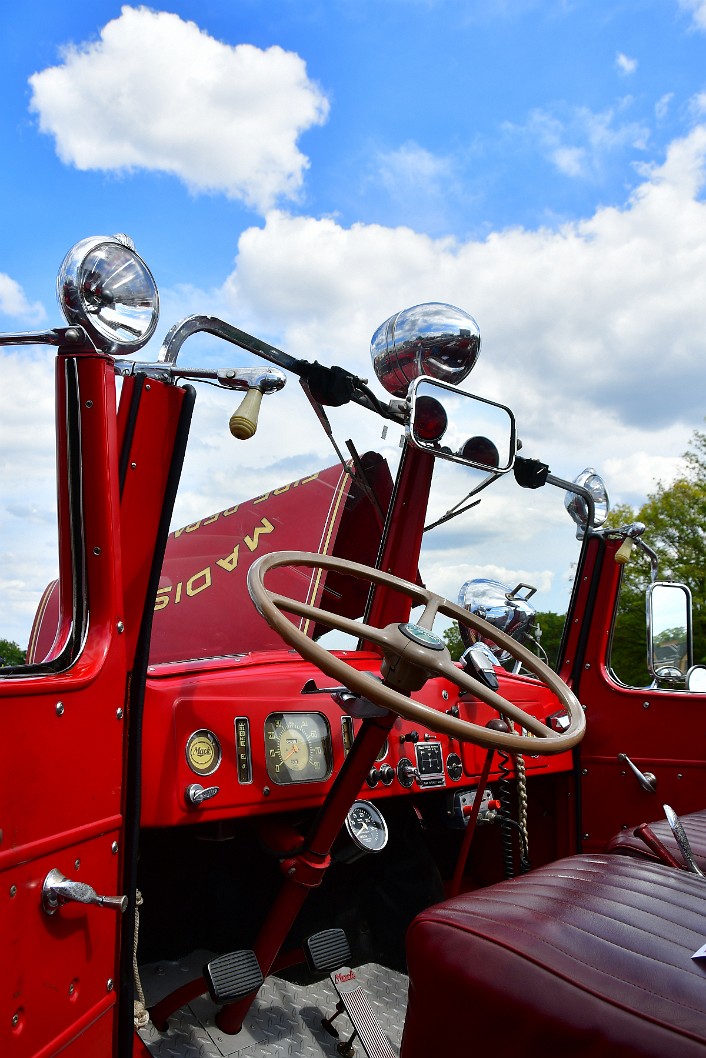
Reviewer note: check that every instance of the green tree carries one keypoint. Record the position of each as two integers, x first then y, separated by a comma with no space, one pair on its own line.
675,517
11,653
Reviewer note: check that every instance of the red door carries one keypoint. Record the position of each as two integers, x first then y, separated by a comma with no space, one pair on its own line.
64,719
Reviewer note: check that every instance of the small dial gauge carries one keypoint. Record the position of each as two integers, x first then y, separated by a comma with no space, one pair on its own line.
203,752
454,766
297,747
383,751
366,826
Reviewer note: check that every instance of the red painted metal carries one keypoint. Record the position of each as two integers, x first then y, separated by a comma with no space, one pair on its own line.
66,811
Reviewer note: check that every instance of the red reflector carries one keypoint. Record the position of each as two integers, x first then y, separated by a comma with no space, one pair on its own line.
430,420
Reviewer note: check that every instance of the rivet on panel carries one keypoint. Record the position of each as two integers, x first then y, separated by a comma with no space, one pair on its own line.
59,708
114,847
119,714
120,626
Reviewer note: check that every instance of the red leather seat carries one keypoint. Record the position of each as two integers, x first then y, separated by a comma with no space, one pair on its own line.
695,826
588,957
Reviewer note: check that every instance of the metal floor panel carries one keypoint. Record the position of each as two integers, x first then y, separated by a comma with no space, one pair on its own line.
284,1020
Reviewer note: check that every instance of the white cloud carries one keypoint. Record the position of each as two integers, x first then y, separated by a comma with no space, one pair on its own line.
13,302
594,333
697,9
577,140
157,93
625,64
662,105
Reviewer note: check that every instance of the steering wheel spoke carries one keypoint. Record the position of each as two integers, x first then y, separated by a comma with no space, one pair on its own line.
413,653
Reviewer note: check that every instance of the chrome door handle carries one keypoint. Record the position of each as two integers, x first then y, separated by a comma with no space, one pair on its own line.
646,779
57,889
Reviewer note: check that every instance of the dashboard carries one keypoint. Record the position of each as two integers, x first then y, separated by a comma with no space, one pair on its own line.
262,733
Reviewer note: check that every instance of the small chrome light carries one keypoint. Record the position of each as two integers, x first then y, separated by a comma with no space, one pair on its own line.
578,508
105,287
433,339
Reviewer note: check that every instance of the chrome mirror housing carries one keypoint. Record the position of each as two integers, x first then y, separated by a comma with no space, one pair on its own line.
461,426
696,679
432,339
669,636
501,607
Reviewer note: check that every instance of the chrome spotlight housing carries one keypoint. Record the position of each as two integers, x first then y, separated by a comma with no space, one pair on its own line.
577,506
501,607
432,339
105,287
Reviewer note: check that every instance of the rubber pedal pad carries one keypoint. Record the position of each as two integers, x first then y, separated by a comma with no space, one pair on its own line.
327,950
233,975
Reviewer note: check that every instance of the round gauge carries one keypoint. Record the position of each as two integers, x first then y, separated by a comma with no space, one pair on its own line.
383,752
203,752
367,827
454,766
297,747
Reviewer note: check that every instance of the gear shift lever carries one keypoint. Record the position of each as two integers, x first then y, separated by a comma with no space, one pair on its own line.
682,840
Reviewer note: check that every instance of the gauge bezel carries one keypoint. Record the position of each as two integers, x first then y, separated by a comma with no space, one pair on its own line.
212,738
373,811
319,747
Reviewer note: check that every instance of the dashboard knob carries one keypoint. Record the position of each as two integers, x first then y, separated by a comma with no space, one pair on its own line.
387,774
407,773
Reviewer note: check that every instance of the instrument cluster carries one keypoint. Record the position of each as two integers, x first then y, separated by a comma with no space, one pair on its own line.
248,742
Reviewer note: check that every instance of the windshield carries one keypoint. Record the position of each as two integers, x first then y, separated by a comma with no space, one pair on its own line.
479,526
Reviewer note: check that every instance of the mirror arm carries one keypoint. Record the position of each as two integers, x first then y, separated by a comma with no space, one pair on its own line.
532,474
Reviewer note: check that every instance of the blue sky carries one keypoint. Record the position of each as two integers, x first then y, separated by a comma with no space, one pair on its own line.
305,169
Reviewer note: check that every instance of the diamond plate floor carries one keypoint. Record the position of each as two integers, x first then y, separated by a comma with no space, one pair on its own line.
284,1021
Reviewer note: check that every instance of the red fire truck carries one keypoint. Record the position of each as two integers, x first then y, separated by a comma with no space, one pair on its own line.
251,806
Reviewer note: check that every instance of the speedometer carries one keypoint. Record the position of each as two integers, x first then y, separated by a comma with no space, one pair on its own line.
297,747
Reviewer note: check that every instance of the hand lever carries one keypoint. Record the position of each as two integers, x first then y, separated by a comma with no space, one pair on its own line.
243,421
682,840
58,890
646,779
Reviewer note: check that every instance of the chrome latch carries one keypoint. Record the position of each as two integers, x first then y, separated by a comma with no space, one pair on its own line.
195,794
57,889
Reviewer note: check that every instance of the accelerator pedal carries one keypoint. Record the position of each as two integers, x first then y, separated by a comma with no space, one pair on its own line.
233,975
330,951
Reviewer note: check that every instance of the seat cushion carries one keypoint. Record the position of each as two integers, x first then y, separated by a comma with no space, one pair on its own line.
588,957
694,825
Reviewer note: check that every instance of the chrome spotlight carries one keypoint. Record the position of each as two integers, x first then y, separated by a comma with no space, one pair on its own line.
501,607
105,287
431,339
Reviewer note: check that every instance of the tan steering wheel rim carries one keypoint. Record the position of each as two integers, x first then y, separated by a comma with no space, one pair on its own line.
430,662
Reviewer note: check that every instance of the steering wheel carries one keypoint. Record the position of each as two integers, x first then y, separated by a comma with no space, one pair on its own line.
412,653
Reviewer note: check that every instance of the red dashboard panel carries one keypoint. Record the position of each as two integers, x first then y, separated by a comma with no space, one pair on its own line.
257,729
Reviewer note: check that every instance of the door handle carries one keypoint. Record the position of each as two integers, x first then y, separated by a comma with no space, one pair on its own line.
646,779
57,889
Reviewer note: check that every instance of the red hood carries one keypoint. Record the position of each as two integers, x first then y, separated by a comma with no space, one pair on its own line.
203,608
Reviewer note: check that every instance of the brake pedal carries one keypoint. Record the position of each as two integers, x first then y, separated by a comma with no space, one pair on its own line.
233,975
327,950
